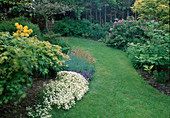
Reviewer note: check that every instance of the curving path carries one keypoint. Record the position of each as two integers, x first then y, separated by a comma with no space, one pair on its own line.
117,90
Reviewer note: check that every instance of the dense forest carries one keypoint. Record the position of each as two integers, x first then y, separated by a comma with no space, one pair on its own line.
97,11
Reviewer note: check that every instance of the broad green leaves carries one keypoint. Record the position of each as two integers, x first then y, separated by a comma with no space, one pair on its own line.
22,57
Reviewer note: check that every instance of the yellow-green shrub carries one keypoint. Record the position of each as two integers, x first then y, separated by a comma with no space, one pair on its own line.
157,8
21,57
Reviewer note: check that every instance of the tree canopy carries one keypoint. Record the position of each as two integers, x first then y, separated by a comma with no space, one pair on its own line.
157,8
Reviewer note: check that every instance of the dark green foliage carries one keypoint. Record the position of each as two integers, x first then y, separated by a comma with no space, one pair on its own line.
154,52
57,40
161,77
64,44
71,27
22,57
165,28
50,36
99,32
80,28
144,43
124,32
9,26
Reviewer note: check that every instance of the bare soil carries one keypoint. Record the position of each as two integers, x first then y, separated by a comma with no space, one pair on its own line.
10,110
161,87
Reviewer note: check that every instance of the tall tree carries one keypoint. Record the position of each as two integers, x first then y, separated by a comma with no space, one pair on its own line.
48,8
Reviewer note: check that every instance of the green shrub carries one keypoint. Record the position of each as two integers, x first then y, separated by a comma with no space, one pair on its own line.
71,27
64,44
147,8
22,57
83,28
57,40
124,32
50,36
145,44
155,51
165,28
103,32
62,28
9,26
161,76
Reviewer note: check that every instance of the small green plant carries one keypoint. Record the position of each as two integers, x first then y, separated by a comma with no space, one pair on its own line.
148,68
57,40
161,77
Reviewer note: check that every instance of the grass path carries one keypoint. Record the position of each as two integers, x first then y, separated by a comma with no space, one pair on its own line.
117,90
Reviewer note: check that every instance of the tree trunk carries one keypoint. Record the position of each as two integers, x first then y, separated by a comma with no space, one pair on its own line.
122,14
96,14
135,15
46,23
100,17
91,15
111,17
86,14
127,12
77,14
115,15
105,14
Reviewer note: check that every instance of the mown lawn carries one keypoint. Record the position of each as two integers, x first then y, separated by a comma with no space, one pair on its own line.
117,90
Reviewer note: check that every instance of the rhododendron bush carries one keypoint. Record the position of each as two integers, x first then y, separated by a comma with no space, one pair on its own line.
63,93
124,31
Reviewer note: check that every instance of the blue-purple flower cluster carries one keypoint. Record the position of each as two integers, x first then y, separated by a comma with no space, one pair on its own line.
88,75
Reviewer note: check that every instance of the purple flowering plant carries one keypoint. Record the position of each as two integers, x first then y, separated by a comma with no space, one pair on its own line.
81,66
125,31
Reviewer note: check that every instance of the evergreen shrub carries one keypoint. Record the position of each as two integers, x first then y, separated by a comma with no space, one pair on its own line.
80,28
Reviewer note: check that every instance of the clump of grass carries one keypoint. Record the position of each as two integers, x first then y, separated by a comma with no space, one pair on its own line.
84,55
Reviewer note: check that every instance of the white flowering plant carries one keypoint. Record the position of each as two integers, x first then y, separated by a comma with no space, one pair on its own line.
63,93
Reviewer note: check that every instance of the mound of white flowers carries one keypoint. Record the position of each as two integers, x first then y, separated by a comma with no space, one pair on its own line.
63,92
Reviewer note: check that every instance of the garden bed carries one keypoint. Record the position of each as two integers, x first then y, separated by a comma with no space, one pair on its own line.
161,87
11,111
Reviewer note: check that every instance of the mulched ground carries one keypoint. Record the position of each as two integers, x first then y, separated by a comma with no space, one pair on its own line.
163,88
11,111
